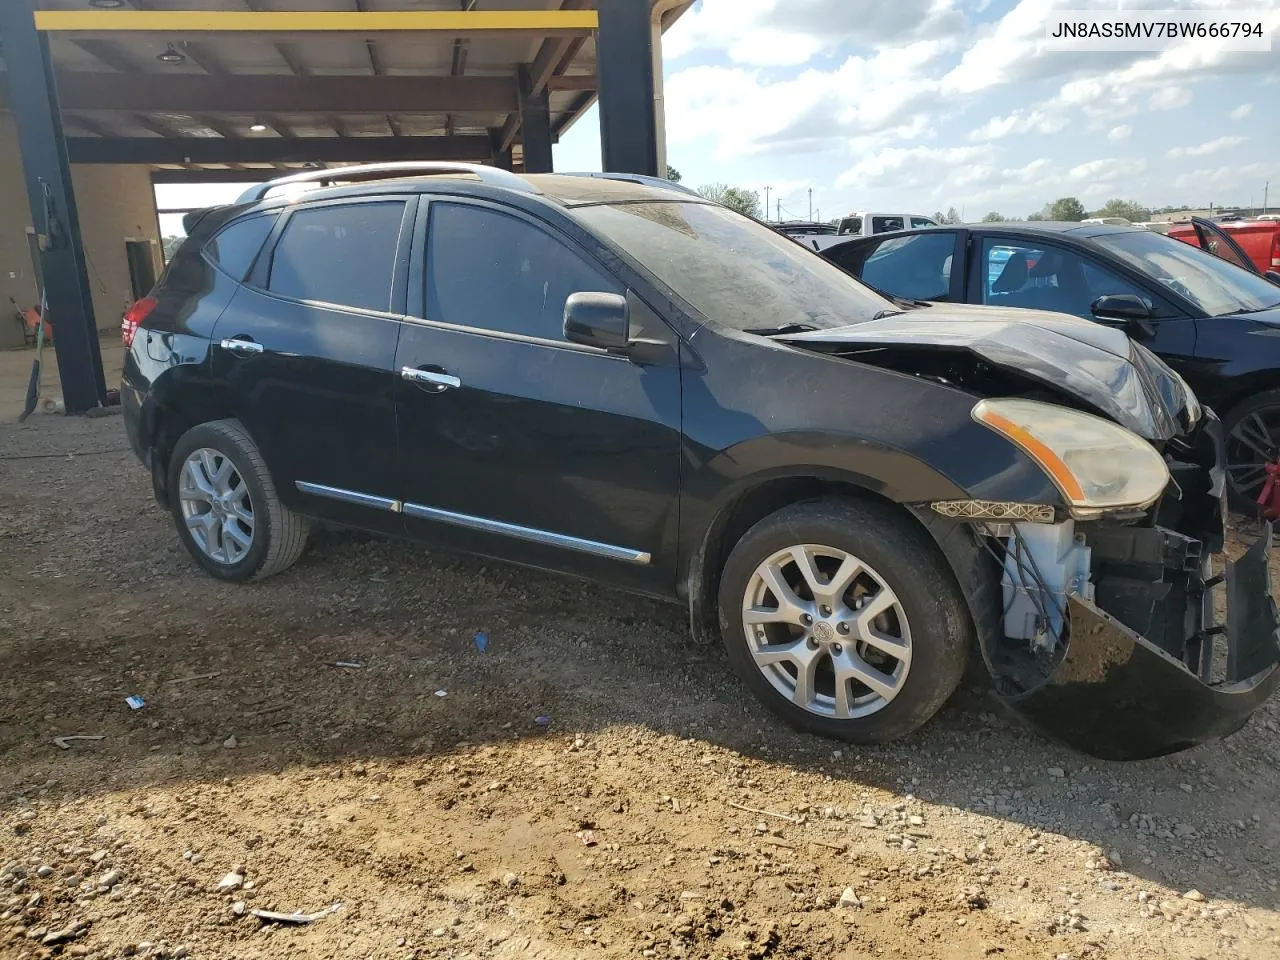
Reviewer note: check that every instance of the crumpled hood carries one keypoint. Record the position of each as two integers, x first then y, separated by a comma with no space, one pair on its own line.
1096,363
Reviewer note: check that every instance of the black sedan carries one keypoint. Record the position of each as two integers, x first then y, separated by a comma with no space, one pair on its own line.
1216,324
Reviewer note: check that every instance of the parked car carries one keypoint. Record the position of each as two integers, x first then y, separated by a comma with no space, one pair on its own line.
866,224
1214,323
622,382
1255,244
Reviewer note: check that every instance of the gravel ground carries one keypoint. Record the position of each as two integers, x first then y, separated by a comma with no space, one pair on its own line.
591,785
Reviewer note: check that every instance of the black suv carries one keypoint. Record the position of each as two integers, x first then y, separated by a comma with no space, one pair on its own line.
609,377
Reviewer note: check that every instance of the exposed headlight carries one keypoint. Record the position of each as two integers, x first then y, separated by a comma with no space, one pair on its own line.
1098,465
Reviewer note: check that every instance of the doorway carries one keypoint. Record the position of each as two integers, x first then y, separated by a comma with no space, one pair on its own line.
142,266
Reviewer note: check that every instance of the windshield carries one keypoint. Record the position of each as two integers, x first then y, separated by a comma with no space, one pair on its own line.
733,271
1215,286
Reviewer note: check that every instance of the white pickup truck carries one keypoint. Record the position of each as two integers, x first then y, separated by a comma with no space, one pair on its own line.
866,224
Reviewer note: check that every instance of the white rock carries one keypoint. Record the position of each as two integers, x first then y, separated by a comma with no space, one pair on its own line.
231,742
510,881
1057,772
1195,895
232,881
849,898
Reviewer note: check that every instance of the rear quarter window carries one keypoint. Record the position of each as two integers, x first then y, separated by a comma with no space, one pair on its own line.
340,254
236,246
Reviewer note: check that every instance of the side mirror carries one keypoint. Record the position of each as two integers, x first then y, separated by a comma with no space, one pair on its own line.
1127,311
1273,276
597,320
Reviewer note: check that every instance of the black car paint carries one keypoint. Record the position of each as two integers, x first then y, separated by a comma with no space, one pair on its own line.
1224,359
651,453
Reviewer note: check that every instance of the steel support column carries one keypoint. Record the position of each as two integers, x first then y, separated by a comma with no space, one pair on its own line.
34,105
624,56
535,125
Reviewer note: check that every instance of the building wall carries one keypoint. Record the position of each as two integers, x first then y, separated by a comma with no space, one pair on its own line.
115,203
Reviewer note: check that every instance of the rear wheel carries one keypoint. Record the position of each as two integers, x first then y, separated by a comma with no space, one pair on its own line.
1253,442
844,620
225,506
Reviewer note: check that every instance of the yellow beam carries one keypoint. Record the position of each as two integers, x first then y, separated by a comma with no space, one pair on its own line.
100,22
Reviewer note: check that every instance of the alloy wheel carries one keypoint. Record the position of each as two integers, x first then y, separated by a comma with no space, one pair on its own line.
216,506
827,631
1254,442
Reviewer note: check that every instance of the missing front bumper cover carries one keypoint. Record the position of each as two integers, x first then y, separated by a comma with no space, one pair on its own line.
1118,696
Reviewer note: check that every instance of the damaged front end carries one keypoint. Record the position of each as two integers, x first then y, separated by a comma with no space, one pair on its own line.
1107,637
1096,613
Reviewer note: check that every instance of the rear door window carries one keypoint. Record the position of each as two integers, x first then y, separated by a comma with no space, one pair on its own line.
342,254
499,272
236,245
919,223
886,224
918,267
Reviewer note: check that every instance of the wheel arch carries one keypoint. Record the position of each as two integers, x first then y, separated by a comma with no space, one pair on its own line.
179,402
753,501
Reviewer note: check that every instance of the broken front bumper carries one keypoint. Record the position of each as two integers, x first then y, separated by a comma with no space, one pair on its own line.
1118,696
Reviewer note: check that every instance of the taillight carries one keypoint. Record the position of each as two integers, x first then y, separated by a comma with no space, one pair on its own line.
1275,250
133,318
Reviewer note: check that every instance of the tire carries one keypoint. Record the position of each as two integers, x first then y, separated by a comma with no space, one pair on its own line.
276,535
1244,426
892,552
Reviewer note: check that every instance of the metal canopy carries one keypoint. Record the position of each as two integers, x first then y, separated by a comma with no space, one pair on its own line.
252,81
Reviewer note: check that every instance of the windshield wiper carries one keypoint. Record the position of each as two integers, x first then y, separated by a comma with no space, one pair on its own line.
784,329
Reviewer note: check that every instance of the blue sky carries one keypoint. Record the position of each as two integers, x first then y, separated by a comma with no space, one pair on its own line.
921,105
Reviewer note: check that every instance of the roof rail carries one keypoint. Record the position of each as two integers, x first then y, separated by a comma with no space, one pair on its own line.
494,176
640,179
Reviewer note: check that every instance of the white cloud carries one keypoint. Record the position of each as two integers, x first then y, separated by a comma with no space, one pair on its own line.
1241,112
1226,177
1101,171
764,33
1170,98
745,110
912,167
1035,120
1120,133
1209,146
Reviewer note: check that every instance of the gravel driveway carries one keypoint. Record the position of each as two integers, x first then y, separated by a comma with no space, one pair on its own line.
591,785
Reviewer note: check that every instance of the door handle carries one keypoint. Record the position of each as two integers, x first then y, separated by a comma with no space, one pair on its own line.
243,347
431,378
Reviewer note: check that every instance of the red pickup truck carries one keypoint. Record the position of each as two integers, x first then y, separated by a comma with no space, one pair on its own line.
1258,241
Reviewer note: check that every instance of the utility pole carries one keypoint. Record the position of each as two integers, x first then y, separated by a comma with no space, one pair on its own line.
1265,187
766,203
779,219
811,204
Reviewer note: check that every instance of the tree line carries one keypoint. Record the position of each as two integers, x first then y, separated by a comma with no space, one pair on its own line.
1071,209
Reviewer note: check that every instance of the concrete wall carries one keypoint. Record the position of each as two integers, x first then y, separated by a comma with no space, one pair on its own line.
115,203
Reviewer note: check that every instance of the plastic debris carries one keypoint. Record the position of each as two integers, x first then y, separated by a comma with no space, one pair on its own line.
64,743
543,721
135,702
350,664
442,693
482,641
297,918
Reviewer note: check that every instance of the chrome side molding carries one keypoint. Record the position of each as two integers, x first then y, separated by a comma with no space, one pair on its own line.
532,534
350,496
483,524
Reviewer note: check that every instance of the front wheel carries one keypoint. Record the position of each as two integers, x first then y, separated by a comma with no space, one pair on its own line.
844,619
